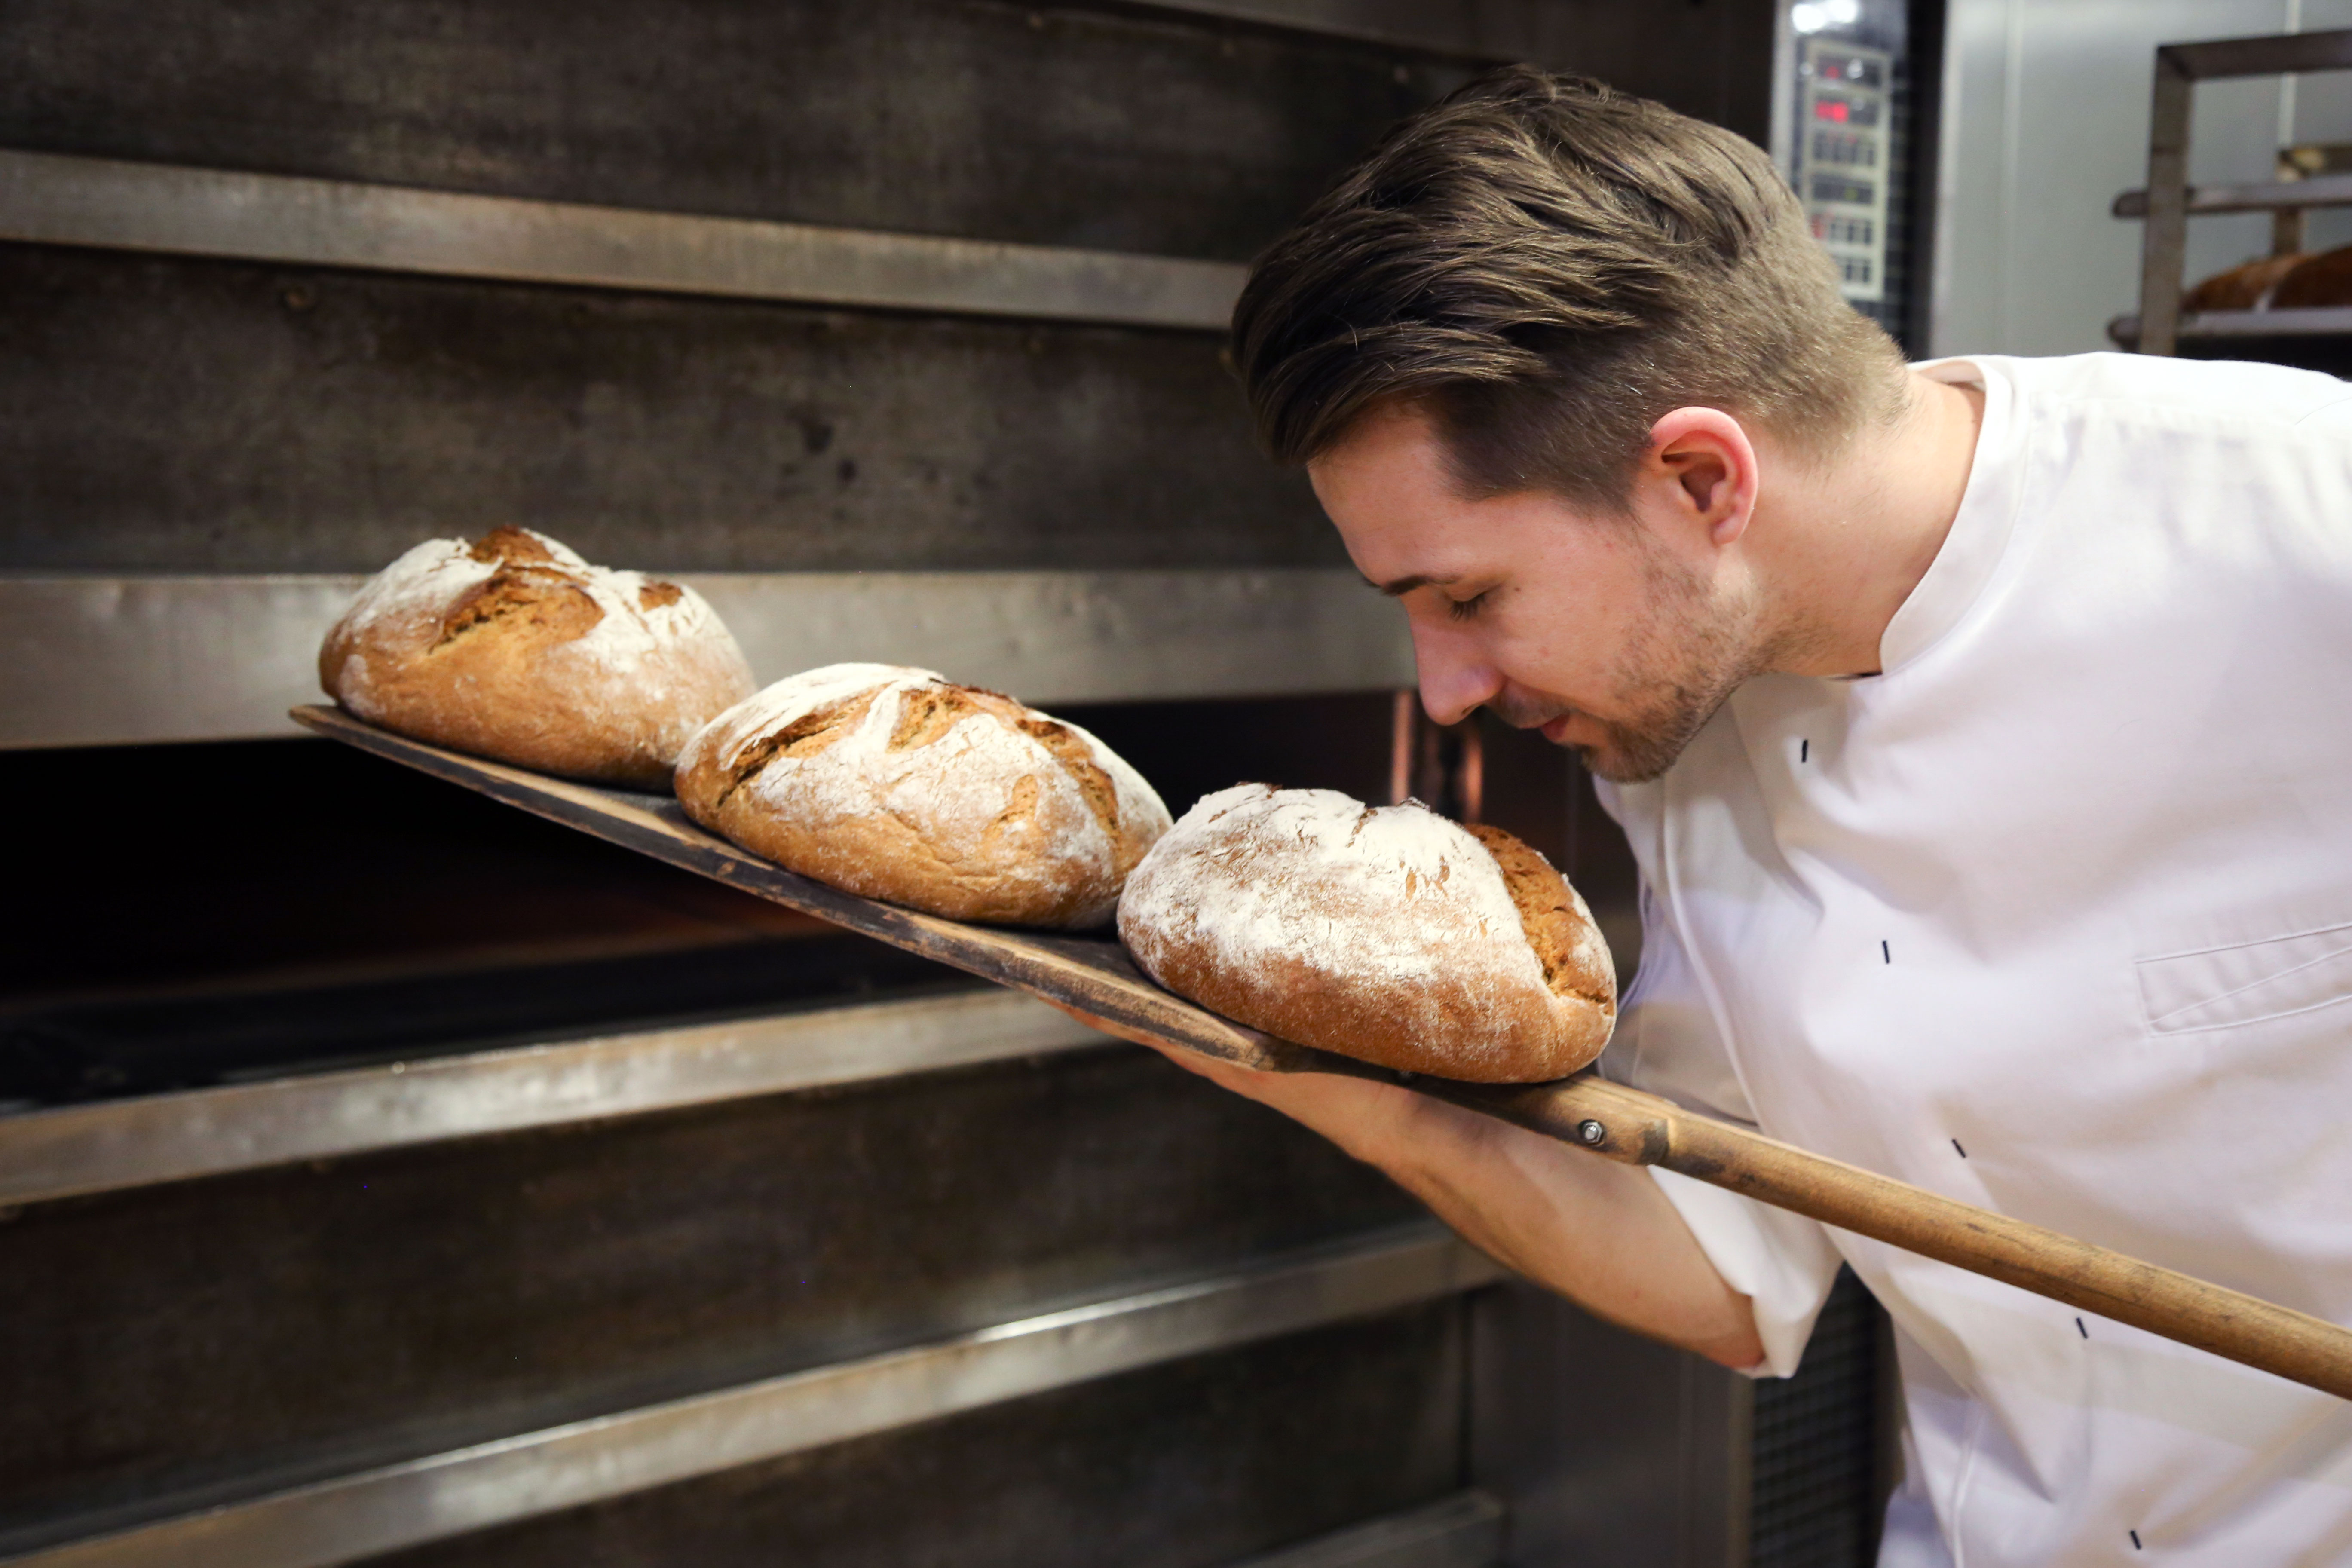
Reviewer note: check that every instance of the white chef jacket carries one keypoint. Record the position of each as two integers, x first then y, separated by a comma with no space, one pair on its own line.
2055,916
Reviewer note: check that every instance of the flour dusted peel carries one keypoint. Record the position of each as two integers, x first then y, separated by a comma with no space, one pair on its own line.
1389,934
514,648
898,784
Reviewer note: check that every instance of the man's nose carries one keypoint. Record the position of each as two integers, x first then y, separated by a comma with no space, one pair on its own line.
1453,681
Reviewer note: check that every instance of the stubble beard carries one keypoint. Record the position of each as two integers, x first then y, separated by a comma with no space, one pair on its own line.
1687,655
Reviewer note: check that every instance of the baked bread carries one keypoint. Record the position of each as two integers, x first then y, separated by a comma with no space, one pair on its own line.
2243,288
1391,936
898,784
2317,282
513,647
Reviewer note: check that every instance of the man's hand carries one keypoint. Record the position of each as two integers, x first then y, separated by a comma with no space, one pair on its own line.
1599,1232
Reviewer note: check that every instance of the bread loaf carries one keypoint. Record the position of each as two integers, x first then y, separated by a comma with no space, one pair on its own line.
513,647
2243,288
1391,936
2316,282
898,784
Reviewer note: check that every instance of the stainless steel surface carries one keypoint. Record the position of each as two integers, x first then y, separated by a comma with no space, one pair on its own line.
2328,322
535,1473
142,1142
52,199
1465,1531
105,660
1077,636
2321,191
97,660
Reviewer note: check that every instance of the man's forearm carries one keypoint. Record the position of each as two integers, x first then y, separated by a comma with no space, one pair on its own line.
1599,1232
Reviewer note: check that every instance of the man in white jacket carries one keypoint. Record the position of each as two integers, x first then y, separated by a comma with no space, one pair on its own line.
1983,731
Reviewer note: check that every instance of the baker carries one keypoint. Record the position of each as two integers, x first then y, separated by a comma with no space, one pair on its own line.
1983,731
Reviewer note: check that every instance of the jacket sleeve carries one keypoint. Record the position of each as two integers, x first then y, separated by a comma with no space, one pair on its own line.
1669,1043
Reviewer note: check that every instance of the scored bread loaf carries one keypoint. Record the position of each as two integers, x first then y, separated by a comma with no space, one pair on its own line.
900,785
515,648
1388,934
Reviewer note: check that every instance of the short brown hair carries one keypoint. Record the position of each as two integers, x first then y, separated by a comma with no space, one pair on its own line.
1548,267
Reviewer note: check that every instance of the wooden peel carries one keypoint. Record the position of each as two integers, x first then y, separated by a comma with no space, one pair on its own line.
1623,1124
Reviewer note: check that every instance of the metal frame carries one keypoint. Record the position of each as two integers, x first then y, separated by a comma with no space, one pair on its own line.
103,660
395,1506
152,1139
2328,321
2321,191
2165,202
52,199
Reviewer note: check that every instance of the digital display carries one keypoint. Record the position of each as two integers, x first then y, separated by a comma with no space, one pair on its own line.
1840,111
1841,153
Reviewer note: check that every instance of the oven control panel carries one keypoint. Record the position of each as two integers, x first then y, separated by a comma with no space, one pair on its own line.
1843,157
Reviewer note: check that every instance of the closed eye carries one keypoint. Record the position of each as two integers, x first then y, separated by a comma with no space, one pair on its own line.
1464,609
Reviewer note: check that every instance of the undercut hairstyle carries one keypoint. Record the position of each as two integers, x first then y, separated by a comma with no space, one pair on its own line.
1547,267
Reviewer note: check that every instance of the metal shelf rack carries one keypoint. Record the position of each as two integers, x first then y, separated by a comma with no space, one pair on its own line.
2168,201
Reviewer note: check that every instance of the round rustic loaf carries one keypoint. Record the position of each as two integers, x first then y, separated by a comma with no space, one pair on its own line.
1391,936
898,784
513,647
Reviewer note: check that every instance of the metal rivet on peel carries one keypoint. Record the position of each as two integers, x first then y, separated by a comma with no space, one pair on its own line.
1591,1132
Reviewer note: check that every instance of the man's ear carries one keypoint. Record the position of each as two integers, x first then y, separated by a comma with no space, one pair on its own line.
1707,466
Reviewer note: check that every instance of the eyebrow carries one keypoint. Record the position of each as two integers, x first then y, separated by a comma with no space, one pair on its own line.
1404,585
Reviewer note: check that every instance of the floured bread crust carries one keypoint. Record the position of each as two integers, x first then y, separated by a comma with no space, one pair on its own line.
515,648
1388,934
897,784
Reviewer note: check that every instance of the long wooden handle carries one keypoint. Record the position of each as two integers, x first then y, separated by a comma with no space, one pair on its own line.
1606,1118
1640,1128
1637,1128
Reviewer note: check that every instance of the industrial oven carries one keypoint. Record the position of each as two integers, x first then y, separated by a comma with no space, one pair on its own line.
387,1176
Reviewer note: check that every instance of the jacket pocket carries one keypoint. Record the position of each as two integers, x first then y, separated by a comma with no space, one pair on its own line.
2216,987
